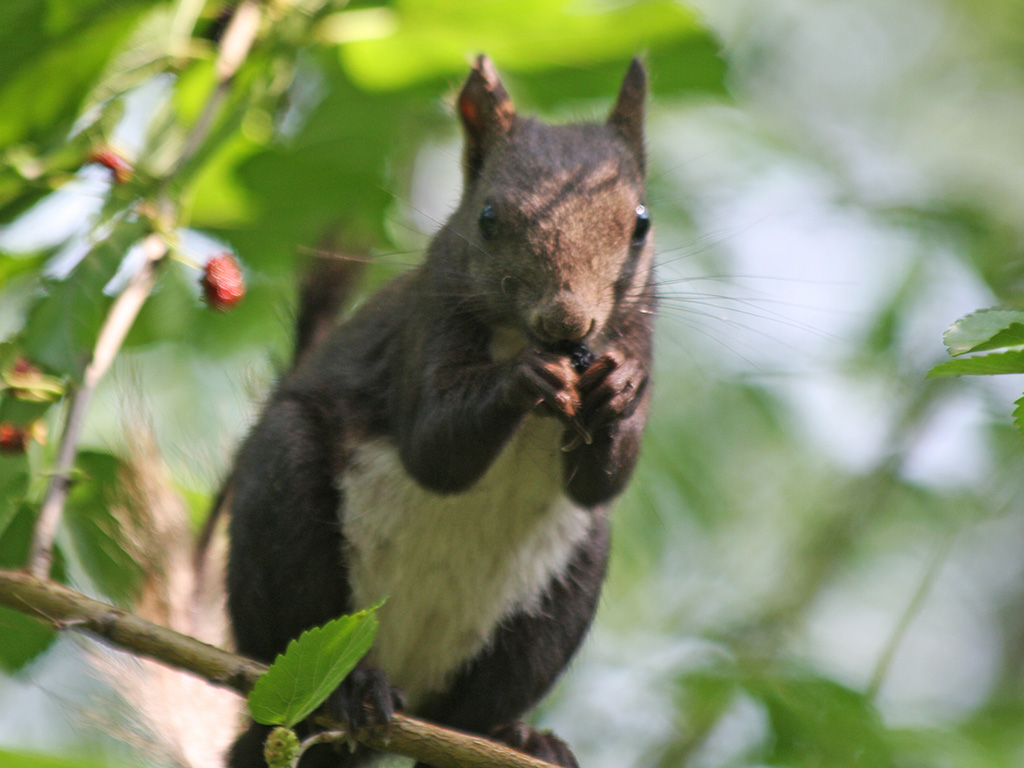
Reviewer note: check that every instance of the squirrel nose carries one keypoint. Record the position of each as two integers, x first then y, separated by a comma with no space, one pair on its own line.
563,318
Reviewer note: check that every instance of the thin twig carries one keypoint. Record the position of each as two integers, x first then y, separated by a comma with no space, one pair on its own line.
238,39
324,737
234,46
111,336
914,606
67,609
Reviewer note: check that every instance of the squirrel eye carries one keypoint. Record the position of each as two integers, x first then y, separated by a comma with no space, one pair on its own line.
643,225
488,222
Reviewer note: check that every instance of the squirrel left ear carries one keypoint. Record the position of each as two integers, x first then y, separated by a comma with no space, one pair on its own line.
627,116
487,113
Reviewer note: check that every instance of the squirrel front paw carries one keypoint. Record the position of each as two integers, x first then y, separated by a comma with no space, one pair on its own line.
547,380
610,389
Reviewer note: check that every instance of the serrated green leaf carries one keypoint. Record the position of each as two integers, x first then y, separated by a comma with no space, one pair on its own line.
982,365
1018,415
984,330
311,668
1011,336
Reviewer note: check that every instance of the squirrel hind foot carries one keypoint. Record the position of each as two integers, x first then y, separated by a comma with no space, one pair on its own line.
365,699
544,745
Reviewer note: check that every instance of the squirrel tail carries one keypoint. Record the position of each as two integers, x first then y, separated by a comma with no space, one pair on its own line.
176,718
326,287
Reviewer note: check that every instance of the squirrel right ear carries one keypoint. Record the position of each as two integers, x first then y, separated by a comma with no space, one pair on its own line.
487,113
627,115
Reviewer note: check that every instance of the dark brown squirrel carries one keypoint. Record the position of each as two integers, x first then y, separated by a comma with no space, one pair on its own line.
455,444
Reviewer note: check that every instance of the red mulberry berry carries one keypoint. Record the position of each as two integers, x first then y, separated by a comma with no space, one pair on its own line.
223,284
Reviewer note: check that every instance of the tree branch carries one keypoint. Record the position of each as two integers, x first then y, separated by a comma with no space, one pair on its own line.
67,609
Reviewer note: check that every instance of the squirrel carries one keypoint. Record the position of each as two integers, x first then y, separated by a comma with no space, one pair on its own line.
454,445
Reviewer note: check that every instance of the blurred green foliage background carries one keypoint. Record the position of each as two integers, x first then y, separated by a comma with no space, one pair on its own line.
821,559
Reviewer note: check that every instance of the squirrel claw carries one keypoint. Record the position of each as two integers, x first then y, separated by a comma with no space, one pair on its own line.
582,436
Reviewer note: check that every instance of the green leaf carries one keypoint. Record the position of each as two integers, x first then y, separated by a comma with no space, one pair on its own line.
818,722
311,668
1018,415
982,365
821,723
1011,336
985,330
14,478
24,637
814,722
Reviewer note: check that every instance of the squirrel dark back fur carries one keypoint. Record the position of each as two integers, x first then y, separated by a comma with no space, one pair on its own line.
453,446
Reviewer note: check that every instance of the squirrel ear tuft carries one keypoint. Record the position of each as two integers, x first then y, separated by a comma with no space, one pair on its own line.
627,116
487,112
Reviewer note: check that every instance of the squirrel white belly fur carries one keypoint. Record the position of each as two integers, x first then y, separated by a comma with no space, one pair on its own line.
455,444
452,567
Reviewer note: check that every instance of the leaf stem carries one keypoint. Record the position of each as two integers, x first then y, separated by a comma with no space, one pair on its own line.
324,737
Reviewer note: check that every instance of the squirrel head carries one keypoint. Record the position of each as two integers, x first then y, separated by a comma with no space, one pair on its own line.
552,230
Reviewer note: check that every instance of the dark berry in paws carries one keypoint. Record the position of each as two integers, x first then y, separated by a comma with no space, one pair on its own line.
579,354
